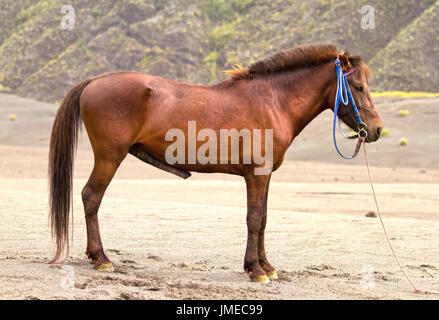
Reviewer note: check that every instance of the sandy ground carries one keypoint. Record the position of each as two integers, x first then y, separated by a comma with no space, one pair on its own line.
185,239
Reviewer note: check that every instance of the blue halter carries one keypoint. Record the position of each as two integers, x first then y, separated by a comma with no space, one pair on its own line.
344,95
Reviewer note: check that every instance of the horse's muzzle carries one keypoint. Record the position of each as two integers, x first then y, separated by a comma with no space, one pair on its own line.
374,134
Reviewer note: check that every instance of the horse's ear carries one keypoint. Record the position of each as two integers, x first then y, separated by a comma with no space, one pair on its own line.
344,59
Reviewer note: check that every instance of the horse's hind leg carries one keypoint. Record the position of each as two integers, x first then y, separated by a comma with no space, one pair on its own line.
92,194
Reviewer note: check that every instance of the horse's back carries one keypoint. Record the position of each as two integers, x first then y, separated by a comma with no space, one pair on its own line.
134,88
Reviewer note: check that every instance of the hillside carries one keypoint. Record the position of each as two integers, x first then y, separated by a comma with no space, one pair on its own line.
414,52
193,41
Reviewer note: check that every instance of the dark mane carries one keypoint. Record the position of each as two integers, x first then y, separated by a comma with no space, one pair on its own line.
293,59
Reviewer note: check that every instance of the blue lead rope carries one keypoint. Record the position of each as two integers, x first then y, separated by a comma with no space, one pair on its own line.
344,95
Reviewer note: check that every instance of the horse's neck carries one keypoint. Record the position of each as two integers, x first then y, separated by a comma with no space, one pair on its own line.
307,93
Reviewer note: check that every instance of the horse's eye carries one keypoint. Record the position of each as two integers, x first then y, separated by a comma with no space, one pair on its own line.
359,88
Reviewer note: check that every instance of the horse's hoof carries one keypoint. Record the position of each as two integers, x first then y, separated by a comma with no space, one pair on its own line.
90,258
105,267
272,275
260,278
92,261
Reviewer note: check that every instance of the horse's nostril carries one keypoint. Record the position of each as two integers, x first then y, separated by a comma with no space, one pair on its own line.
379,131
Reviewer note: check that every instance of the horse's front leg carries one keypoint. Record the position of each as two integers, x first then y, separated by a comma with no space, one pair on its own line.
256,190
263,262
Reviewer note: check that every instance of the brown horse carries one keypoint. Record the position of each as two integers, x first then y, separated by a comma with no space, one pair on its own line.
129,112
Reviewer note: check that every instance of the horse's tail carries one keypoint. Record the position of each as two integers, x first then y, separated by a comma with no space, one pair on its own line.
63,143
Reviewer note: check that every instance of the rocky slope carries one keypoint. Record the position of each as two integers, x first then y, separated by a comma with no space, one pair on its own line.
194,40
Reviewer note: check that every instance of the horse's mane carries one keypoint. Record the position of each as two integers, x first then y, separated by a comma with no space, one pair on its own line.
294,59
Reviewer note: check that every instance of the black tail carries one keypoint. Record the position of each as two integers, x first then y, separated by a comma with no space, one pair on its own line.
63,144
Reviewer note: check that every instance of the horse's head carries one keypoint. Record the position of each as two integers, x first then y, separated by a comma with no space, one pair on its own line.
358,83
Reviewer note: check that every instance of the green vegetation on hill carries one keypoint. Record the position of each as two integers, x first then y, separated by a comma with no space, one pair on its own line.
411,59
194,40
